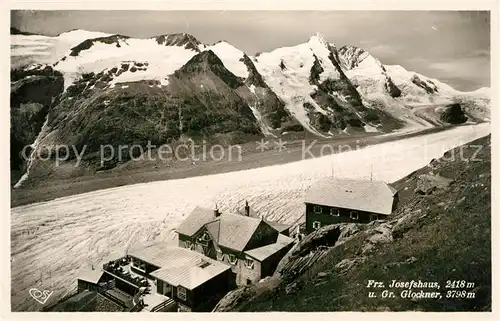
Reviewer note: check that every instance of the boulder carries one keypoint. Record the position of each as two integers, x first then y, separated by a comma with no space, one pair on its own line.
292,288
407,222
347,231
427,184
383,234
234,298
325,236
347,264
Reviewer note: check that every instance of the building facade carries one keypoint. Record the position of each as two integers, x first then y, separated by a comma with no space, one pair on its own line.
250,246
332,201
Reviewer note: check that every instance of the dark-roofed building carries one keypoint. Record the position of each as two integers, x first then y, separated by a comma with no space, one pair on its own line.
251,246
335,200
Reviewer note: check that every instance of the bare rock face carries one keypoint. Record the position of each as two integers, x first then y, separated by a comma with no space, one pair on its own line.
346,264
313,248
407,222
231,300
347,231
427,184
453,115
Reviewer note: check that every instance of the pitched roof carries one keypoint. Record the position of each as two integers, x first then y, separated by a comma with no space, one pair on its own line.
280,227
261,253
236,230
198,217
179,266
214,229
361,195
232,231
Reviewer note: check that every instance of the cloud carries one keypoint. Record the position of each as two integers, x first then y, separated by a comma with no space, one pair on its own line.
382,50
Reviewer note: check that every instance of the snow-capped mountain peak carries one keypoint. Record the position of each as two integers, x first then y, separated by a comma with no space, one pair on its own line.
231,56
79,35
321,86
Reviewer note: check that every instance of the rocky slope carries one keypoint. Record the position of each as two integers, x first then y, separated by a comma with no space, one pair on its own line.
441,231
121,90
34,91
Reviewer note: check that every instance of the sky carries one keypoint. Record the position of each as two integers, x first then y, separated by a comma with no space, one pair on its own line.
452,46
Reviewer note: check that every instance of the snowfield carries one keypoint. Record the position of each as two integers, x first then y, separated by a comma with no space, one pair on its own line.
45,49
51,241
291,83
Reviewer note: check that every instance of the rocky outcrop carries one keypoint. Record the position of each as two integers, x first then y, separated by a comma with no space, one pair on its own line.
34,91
392,89
179,39
87,44
314,247
315,72
427,184
428,86
429,235
453,115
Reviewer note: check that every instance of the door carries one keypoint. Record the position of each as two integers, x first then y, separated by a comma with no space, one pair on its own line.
167,289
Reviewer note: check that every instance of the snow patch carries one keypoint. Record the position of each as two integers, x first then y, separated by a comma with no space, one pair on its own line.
231,57
370,129
291,84
162,60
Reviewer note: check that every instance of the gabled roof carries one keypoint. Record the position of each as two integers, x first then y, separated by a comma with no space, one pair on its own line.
214,229
262,253
236,230
361,195
195,221
280,227
232,231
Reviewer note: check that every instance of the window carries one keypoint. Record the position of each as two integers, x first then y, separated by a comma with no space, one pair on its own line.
354,215
232,259
334,212
316,225
181,293
189,245
373,217
204,264
317,209
220,255
249,263
204,237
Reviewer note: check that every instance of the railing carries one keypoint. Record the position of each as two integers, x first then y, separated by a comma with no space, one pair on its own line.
104,293
124,277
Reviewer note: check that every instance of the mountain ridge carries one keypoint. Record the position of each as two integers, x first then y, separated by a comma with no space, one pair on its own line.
220,93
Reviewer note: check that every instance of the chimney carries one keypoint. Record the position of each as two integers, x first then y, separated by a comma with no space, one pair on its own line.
247,209
216,211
